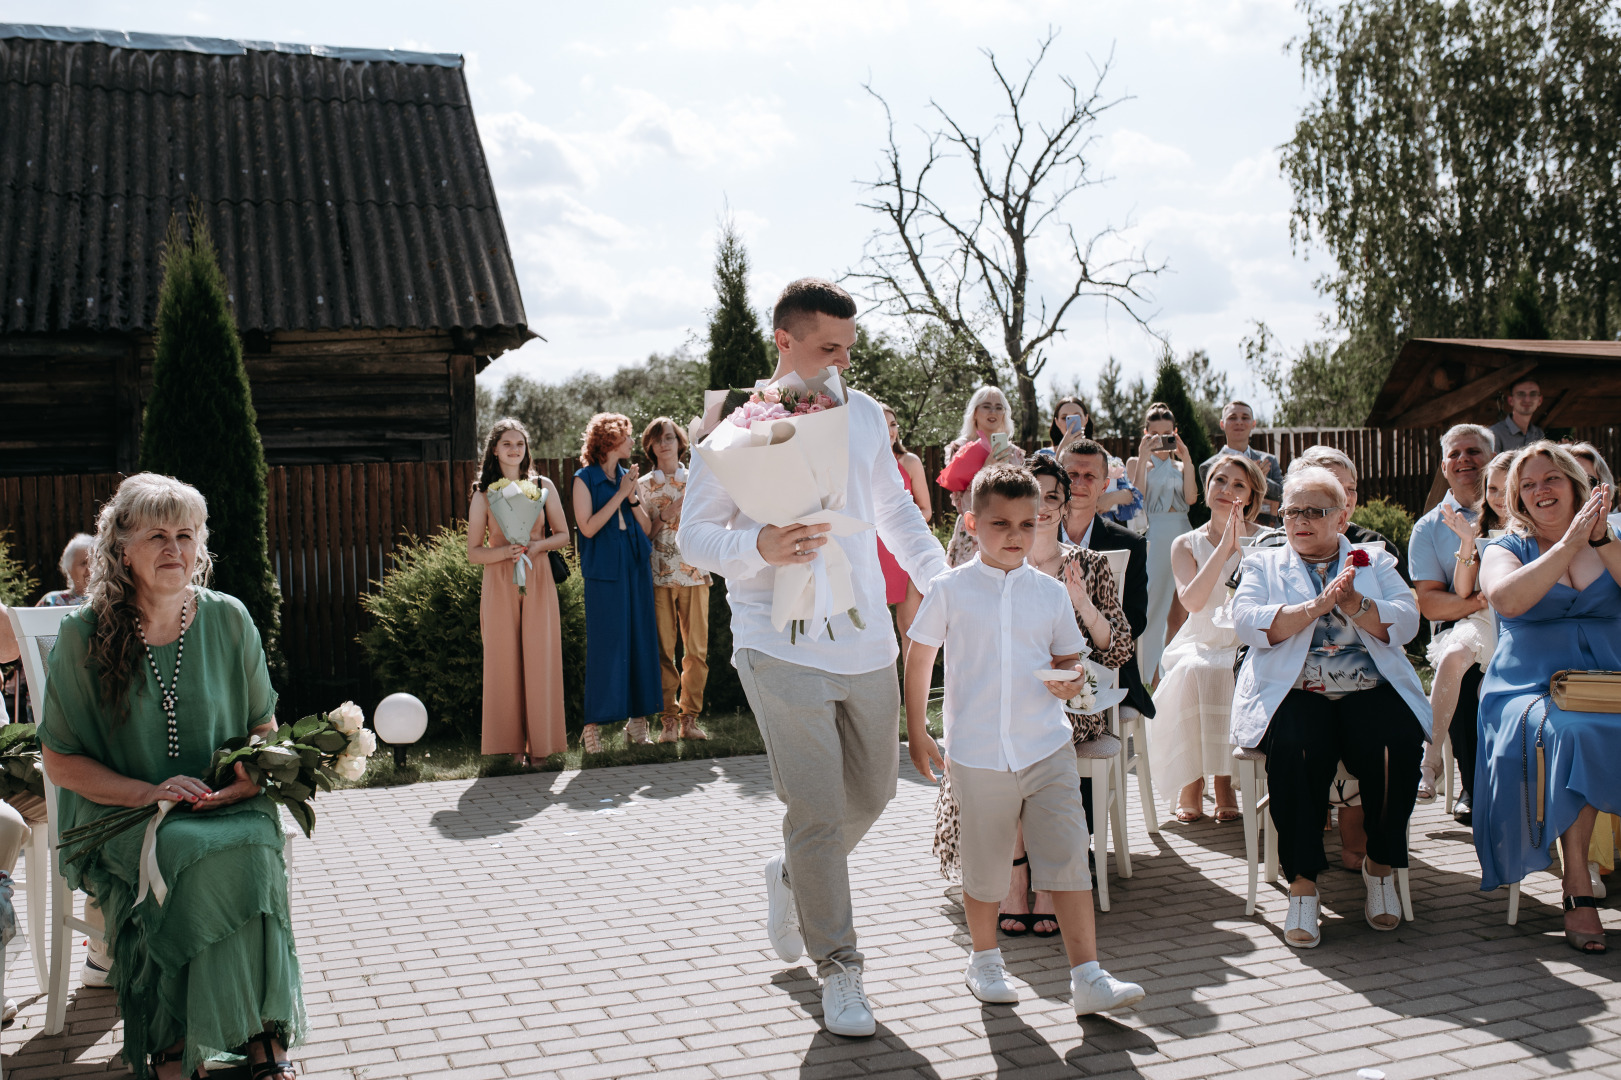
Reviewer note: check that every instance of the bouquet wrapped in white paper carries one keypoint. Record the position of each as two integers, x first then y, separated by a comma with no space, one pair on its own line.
784,458
515,505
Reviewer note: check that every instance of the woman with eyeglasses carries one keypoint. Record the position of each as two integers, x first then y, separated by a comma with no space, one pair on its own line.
1327,680
986,439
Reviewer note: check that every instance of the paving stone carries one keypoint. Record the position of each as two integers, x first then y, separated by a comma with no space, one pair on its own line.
635,948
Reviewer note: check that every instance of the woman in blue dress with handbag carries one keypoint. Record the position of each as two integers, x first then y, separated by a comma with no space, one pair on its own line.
621,634
1553,583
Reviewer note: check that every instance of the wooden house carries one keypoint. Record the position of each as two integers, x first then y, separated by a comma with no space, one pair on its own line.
349,197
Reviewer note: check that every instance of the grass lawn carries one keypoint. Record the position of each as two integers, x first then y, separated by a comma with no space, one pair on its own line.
455,758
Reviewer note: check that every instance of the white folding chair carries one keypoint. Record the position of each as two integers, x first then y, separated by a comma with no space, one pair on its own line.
1258,825
36,630
1133,726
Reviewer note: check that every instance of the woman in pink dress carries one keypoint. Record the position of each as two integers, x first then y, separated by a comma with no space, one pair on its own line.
898,588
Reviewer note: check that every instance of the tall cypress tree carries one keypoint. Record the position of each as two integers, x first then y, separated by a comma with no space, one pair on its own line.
200,425
1172,389
738,352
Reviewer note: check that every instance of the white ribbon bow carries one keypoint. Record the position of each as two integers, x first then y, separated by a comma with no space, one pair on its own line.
151,877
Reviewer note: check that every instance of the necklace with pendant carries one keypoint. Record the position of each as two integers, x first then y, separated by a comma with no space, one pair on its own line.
171,692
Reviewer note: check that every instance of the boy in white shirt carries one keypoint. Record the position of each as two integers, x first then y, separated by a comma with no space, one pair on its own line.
1012,758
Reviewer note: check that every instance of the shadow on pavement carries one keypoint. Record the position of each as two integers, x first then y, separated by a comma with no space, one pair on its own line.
885,1052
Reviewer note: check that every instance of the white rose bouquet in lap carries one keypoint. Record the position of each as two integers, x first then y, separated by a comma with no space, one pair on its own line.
290,765
784,458
516,505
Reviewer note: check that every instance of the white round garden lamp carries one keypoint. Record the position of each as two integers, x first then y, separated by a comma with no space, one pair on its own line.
400,720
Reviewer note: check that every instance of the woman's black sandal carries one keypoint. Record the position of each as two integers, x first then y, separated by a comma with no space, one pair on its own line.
270,1068
1026,920
1580,940
164,1057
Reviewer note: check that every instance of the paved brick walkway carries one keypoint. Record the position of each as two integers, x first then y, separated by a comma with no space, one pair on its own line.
608,924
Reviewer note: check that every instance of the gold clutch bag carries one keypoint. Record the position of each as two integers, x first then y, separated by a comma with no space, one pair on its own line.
1586,691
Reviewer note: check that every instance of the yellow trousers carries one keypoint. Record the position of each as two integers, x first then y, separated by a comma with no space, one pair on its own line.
683,610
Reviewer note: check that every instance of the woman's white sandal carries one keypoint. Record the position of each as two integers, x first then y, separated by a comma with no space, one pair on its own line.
1303,915
1382,899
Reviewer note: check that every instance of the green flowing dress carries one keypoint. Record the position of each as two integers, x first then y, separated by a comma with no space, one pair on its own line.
215,962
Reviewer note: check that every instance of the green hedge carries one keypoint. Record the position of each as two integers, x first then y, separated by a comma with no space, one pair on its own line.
1386,518
16,584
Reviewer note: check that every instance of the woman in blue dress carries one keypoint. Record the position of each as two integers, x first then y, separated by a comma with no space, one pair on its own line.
1163,471
1553,583
621,634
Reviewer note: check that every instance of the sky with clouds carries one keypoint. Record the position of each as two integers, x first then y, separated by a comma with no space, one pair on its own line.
619,133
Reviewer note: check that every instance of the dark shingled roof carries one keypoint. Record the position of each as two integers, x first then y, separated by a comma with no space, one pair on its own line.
345,189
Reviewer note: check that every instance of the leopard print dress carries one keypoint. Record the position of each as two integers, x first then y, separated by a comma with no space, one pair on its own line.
1100,587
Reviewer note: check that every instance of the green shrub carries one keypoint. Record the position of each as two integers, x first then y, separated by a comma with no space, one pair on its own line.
1386,518
16,584
425,639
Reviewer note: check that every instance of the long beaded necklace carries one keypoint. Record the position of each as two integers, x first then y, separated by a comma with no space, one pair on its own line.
171,692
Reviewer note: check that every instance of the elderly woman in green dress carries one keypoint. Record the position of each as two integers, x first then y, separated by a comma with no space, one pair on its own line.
132,716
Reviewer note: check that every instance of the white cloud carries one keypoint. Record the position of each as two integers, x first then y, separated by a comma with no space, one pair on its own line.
1227,26
1126,153
767,23
516,87
526,156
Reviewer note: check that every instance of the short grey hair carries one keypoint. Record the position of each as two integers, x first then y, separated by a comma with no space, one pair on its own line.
1314,478
1323,457
1472,431
80,542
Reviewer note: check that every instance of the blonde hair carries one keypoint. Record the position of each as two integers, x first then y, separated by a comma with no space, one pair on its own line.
969,431
1590,452
1323,457
1519,519
1252,474
141,501
1489,520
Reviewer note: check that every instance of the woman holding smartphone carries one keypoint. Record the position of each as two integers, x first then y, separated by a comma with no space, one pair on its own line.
986,439
1163,471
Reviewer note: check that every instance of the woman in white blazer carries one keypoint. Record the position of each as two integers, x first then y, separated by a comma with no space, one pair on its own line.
1326,680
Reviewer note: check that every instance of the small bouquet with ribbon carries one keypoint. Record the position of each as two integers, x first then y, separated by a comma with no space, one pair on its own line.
21,769
516,505
784,458
290,765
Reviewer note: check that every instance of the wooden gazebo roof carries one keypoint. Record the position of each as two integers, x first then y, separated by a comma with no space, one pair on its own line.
1436,382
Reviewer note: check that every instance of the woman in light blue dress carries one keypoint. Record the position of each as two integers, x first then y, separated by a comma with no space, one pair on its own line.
1163,471
1552,582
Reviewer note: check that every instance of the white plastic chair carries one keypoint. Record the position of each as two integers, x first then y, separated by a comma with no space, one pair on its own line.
1258,826
1133,726
36,853
36,630
1099,761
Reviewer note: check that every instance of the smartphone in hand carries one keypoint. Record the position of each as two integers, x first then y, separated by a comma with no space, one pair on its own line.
1000,440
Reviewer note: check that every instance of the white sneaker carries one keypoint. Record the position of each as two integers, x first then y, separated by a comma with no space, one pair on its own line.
844,1004
1098,991
9,1013
1304,914
987,977
93,976
782,918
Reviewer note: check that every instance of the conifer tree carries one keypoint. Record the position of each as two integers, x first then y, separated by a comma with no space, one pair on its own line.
738,352
1172,389
200,425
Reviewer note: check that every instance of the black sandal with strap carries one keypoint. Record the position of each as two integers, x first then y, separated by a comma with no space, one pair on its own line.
1026,920
1581,940
270,1068
164,1057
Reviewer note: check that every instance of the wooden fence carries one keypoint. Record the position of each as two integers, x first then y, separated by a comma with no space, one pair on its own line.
333,530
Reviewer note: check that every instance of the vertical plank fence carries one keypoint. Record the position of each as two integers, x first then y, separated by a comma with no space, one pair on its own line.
333,529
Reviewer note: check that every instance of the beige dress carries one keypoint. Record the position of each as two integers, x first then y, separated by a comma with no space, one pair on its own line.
523,657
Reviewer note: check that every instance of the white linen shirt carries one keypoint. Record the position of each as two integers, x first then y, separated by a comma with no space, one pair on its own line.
716,536
998,630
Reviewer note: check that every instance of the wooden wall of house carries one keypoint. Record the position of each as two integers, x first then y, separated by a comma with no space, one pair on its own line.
322,398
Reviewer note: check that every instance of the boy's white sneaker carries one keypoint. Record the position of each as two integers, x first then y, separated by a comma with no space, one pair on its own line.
781,918
1095,990
845,1010
987,977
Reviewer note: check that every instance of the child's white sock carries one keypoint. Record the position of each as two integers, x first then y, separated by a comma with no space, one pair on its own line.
991,955
1081,971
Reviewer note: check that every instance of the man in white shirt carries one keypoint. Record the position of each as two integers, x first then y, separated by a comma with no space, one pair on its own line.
828,705
1001,622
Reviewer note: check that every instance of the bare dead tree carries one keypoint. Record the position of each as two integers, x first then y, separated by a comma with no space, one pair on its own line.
971,272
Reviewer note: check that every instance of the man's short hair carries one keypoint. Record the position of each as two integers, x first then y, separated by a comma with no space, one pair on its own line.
1230,404
1087,448
1005,481
1323,457
1524,380
1470,431
810,296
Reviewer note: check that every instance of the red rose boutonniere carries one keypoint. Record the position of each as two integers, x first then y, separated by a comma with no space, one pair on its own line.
1359,559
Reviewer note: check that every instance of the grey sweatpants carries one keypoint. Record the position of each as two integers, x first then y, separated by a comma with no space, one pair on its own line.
833,744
